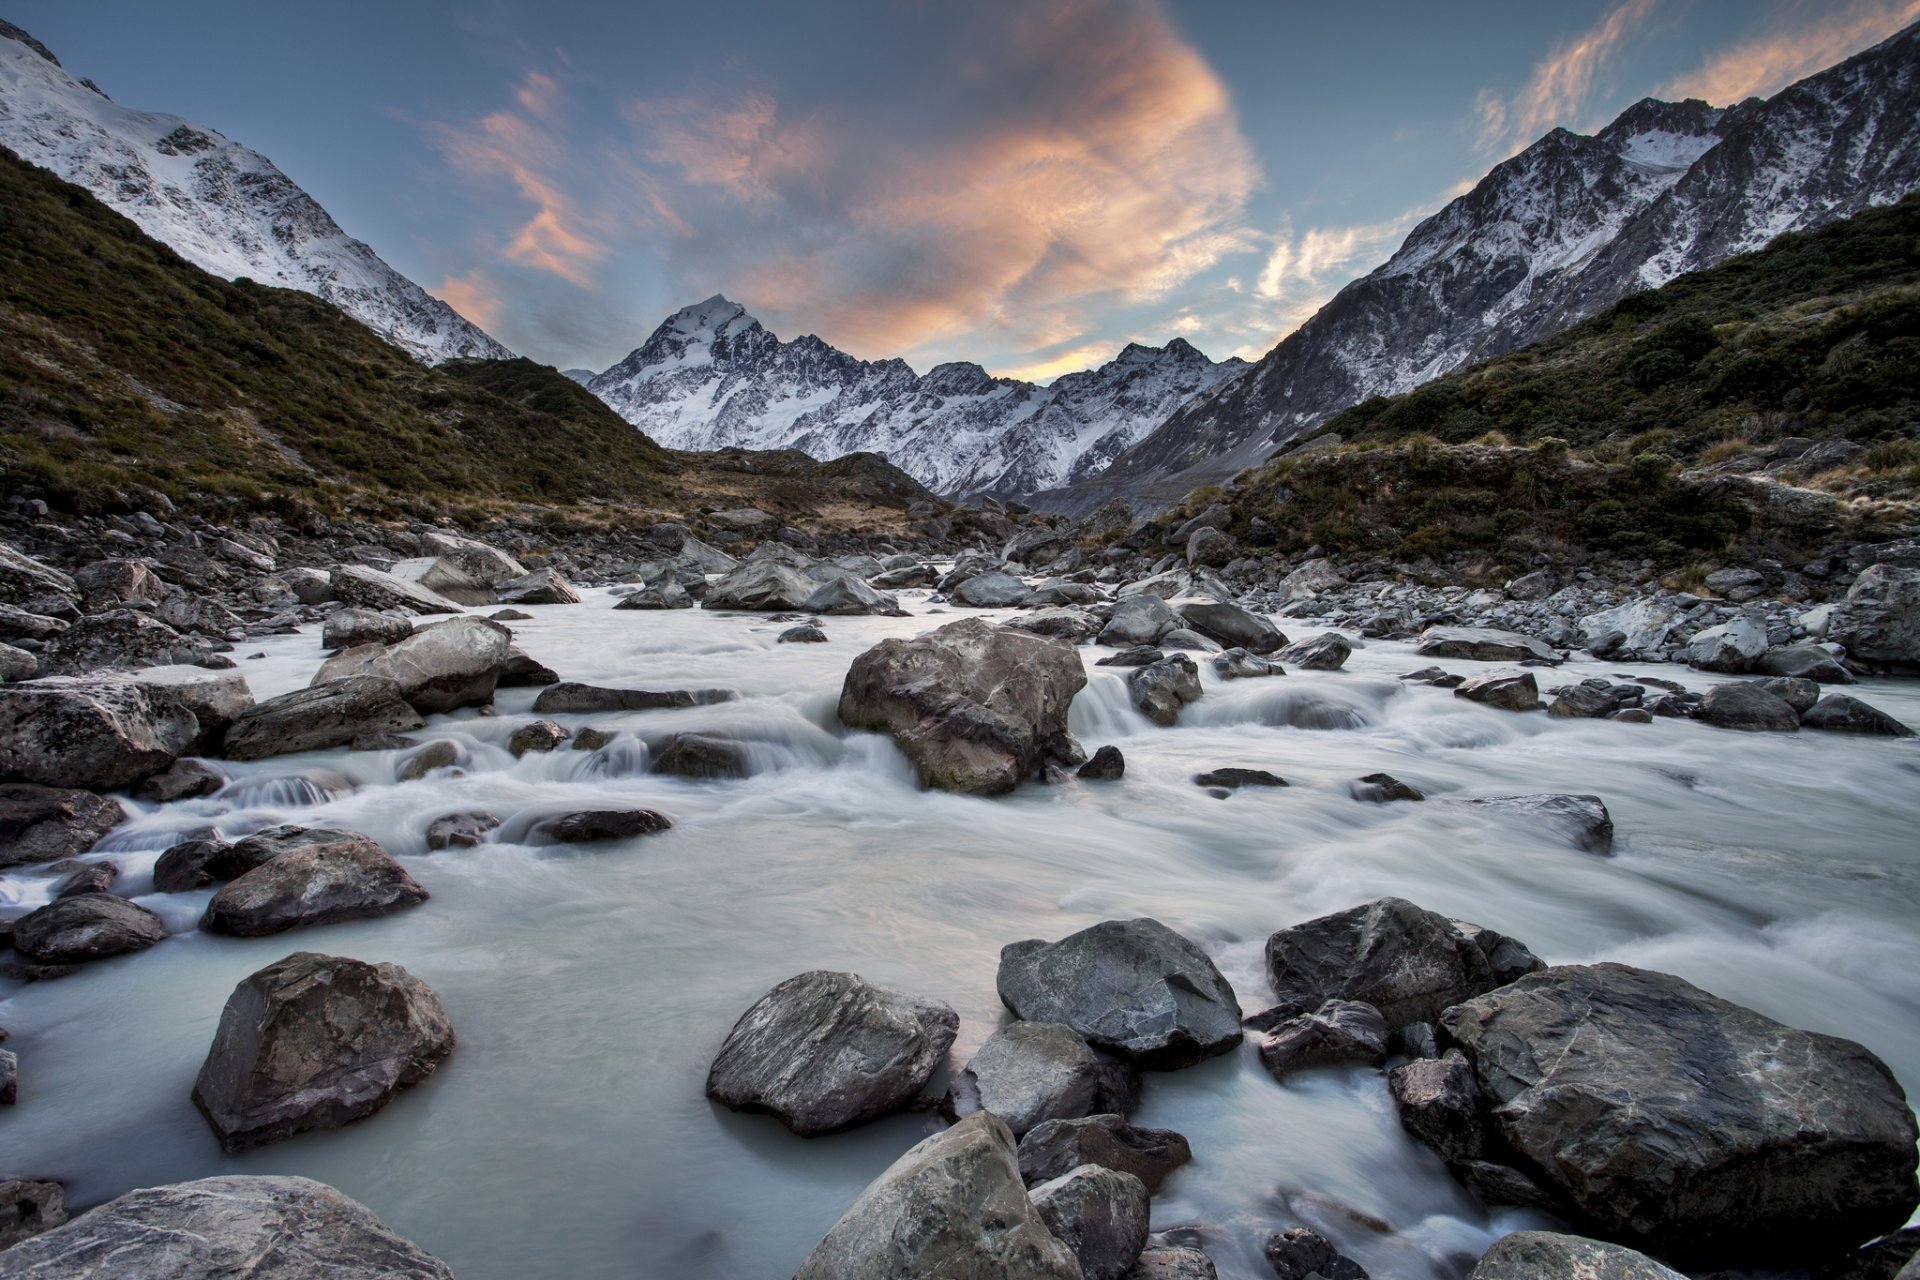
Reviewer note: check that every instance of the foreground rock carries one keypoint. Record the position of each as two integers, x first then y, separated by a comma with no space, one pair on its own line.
98,734
327,715
1029,1073
319,877
315,1042
976,708
953,1207
439,668
1338,1032
193,864
40,824
1405,961
826,1051
1058,1147
92,926
262,1228
1745,1140
1483,644
1842,713
1548,1255
29,1206
1134,987
356,584
1100,1214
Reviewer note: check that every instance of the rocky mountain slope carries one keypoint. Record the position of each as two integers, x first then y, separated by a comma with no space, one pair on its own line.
1559,232
221,206
711,376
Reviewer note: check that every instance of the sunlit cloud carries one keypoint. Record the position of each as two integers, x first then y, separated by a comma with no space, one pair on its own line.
1805,39
473,296
1558,90
1070,361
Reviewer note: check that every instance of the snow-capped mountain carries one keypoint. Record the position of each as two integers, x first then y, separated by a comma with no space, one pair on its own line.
1561,231
712,376
221,206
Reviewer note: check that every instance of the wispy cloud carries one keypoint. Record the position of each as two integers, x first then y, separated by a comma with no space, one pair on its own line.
473,296
1802,40
1072,360
1559,88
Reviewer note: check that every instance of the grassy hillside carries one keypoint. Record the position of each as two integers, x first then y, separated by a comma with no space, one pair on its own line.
1666,428
124,367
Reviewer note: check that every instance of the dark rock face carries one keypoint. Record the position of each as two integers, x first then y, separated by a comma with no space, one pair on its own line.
99,734
119,640
328,715
1507,692
1233,778
975,707
1238,664
1744,705
442,667
701,755
194,864
40,824
1106,765
1841,713
178,781
1134,987
1583,819
315,1042
538,736
460,830
92,926
1594,699
1804,662
805,633
1231,626
1299,1254
349,628
1161,688
1540,1255
1058,1147
568,696
1382,788
603,824
85,877
1405,961
1136,656
952,1207
1744,1140
320,877
1028,1073
1440,1104
542,586
289,1228
29,1206
1328,652
826,1051
1483,644
1795,692
1339,1031
1098,1213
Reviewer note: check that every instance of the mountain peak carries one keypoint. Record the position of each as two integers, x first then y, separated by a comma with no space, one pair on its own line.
718,315
10,32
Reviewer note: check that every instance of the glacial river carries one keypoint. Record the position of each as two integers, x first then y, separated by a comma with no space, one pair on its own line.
568,1135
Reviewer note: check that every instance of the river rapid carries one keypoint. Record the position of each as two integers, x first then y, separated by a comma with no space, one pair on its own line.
590,986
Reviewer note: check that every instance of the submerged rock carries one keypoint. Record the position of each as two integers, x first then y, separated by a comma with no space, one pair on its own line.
266,1228
1745,1140
1234,778
603,824
460,830
569,696
1057,1147
1106,765
1584,819
1132,986
953,1207
319,877
538,736
1302,1254
92,926
826,1051
40,824
701,755
1382,788
315,1042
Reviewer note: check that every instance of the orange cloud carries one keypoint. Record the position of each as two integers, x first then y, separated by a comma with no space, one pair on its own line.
1792,50
473,297
1556,92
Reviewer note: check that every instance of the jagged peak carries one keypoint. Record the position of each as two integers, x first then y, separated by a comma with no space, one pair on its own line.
715,313
10,32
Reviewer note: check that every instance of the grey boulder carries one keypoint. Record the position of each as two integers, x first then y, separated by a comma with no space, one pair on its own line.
1229,625
40,824
349,627
1550,1255
1509,692
1058,1147
1439,1104
1326,652
826,1051
315,1042
1840,713
993,589
92,926
1161,688
1733,646
320,877
849,595
451,664
1338,1032
1134,987
1139,619
1804,662
369,588
326,715
1483,644
542,586
1100,1214
1744,705
761,586
1029,1073
99,734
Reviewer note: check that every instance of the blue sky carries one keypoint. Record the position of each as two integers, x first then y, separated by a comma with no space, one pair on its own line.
1028,185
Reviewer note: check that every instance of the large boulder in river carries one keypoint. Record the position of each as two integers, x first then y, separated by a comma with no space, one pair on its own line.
1732,646
953,1207
993,589
348,628
1161,688
1842,713
975,707
92,926
119,640
450,664
1230,625
99,733
1509,691
1405,961
314,1042
542,586
1483,644
481,561
1099,1213
1673,1120
826,1051
1549,1255
847,595
320,877
369,588
1582,819
1134,987
261,1228
1879,622
1028,1073
41,824
445,578
761,586
572,696
1140,618
1328,651
1743,704
328,715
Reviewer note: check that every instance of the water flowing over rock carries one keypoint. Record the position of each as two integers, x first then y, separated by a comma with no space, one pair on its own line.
569,696
284,1228
1328,652
320,877
327,715
93,926
1058,1147
1161,688
1405,961
315,1042
439,668
1583,819
700,755
976,708
40,824
368,588
1100,1214
1744,1140
1508,692
1548,1255
954,1207
826,1051
1483,644
1132,986
100,734
1028,1073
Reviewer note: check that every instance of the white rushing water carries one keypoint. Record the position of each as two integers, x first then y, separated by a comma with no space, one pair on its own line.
569,1134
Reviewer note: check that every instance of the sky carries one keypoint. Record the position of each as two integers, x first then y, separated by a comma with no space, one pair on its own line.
1026,184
